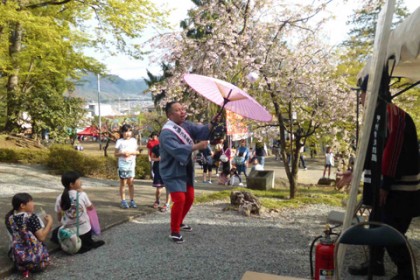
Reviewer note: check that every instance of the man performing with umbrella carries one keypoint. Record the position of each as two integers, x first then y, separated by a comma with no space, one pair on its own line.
178,136
176,166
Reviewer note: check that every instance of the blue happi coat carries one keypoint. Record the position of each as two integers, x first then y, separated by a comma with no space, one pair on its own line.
176,166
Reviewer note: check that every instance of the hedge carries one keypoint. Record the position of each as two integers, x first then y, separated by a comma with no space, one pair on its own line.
62,158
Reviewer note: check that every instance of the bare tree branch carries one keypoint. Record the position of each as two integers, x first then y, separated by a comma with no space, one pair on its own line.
43,4
246,15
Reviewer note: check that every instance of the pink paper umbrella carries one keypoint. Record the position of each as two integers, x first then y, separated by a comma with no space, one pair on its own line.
228,96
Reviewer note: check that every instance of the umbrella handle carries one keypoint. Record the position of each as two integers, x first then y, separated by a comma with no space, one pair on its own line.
225,101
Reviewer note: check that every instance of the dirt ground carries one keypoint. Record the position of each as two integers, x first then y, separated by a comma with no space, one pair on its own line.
16,141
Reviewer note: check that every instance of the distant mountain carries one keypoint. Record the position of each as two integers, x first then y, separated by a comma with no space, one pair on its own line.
112,88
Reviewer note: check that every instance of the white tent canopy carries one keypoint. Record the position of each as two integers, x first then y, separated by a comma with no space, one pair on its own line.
404,48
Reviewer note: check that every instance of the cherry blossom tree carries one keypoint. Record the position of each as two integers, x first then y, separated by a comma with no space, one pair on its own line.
229,39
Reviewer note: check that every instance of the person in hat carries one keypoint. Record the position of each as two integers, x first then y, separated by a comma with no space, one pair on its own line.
399,190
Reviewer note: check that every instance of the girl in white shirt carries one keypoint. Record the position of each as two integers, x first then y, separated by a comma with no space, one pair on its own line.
329,161
126,151
65,207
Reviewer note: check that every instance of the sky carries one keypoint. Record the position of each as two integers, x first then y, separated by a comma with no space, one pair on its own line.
128,68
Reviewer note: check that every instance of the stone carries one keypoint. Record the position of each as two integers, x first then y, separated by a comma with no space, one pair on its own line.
260,180
326,181
245,209
246,202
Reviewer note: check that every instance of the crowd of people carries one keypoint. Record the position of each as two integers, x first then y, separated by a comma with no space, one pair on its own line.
229,163
172,167
173,154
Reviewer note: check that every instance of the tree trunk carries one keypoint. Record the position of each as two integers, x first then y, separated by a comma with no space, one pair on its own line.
108,139
12,95
291,169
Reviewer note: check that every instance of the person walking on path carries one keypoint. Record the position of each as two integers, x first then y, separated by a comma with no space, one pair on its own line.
157,180
302,158
207,164
218,148
276,149
399,189
329,162
176,166
260,151
126,150
225,159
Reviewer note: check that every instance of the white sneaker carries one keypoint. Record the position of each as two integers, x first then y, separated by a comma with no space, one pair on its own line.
241,184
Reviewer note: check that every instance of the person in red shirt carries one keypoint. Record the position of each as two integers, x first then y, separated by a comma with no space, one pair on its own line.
153,141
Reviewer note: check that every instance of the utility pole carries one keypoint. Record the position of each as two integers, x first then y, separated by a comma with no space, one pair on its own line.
99,112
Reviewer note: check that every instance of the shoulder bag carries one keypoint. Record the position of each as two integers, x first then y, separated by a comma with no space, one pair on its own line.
69,239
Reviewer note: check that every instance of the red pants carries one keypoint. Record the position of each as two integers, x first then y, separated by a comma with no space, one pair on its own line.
182,202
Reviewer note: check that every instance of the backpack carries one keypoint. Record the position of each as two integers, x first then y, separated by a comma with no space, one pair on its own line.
28,252
240,158
68,238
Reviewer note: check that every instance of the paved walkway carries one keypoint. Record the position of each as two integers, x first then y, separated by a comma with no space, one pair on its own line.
104,194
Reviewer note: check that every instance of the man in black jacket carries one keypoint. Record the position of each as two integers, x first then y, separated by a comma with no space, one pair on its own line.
399,190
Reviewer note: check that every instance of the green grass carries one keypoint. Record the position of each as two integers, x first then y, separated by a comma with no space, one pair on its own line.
279,198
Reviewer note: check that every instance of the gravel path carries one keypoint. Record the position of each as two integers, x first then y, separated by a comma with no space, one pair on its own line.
223,245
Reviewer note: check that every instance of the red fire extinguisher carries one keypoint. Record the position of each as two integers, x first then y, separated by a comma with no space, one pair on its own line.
324,257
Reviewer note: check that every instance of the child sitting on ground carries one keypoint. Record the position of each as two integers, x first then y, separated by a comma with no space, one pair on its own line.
65,206
256,165
235,179
223,178
28,232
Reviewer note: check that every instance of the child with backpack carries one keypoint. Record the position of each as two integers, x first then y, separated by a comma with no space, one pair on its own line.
241,158
235,179
74,197
28,232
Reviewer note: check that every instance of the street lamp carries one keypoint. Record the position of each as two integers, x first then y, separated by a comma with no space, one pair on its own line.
99,112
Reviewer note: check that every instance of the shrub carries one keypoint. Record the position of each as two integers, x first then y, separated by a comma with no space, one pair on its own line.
63,158
8,155
100,166
33,156
142,167
23,155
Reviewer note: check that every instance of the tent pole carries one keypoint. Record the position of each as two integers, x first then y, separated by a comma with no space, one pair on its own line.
375,73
